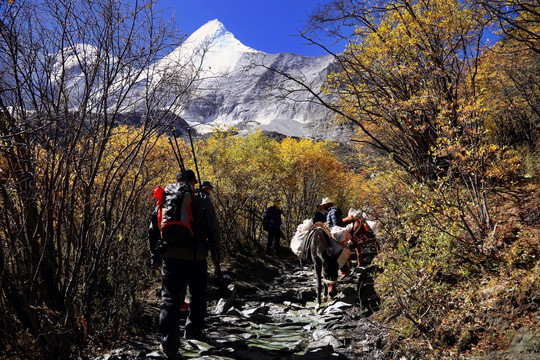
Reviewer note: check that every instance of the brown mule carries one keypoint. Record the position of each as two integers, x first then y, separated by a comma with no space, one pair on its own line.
362,235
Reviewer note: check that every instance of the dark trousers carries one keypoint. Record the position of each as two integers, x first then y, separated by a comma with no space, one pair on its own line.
176,276
273,237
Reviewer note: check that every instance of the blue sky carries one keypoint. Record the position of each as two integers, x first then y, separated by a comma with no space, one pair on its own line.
265,25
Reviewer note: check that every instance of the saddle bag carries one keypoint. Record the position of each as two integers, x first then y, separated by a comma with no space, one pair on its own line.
297,242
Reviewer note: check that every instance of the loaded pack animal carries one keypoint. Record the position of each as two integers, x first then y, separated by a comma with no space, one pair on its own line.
328,255
357,232
325,260
363,233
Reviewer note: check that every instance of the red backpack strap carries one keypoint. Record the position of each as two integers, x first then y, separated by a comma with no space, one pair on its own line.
158,192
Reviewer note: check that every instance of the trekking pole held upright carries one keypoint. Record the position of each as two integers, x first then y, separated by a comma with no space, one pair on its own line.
194,158
176,151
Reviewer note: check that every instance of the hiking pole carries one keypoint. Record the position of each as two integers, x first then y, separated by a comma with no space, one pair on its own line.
225,292
194,158
176,151
175,154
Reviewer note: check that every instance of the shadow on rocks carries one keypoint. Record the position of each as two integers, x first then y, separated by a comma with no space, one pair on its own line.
370,301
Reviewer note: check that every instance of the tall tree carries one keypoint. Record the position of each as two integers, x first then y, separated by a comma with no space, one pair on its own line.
405,64
408,78
72,183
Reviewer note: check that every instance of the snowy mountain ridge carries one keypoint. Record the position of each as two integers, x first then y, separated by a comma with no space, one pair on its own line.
238,88
235,86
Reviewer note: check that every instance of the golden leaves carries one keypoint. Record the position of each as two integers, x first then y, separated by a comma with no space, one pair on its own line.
258,163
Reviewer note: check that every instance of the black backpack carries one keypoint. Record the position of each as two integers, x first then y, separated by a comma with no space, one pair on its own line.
175,214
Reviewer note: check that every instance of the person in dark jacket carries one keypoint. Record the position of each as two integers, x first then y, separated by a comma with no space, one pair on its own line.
322,210
207,187
272,221
334,217
183,263
206,190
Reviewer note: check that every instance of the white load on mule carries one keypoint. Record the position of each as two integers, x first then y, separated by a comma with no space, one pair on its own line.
341,236
370,221
297,242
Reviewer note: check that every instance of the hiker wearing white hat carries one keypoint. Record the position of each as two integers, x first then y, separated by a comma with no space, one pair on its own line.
322,209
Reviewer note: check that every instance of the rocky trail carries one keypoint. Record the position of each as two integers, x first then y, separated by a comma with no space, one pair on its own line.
271,314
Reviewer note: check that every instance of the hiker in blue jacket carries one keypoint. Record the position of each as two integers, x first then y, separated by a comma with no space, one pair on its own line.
272,222
183,263
334,217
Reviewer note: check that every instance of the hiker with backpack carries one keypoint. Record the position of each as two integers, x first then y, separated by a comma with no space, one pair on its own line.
180,234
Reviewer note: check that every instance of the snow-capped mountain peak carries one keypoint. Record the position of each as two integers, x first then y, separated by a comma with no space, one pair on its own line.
213,28
214,33
234,90
214,46
230,87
